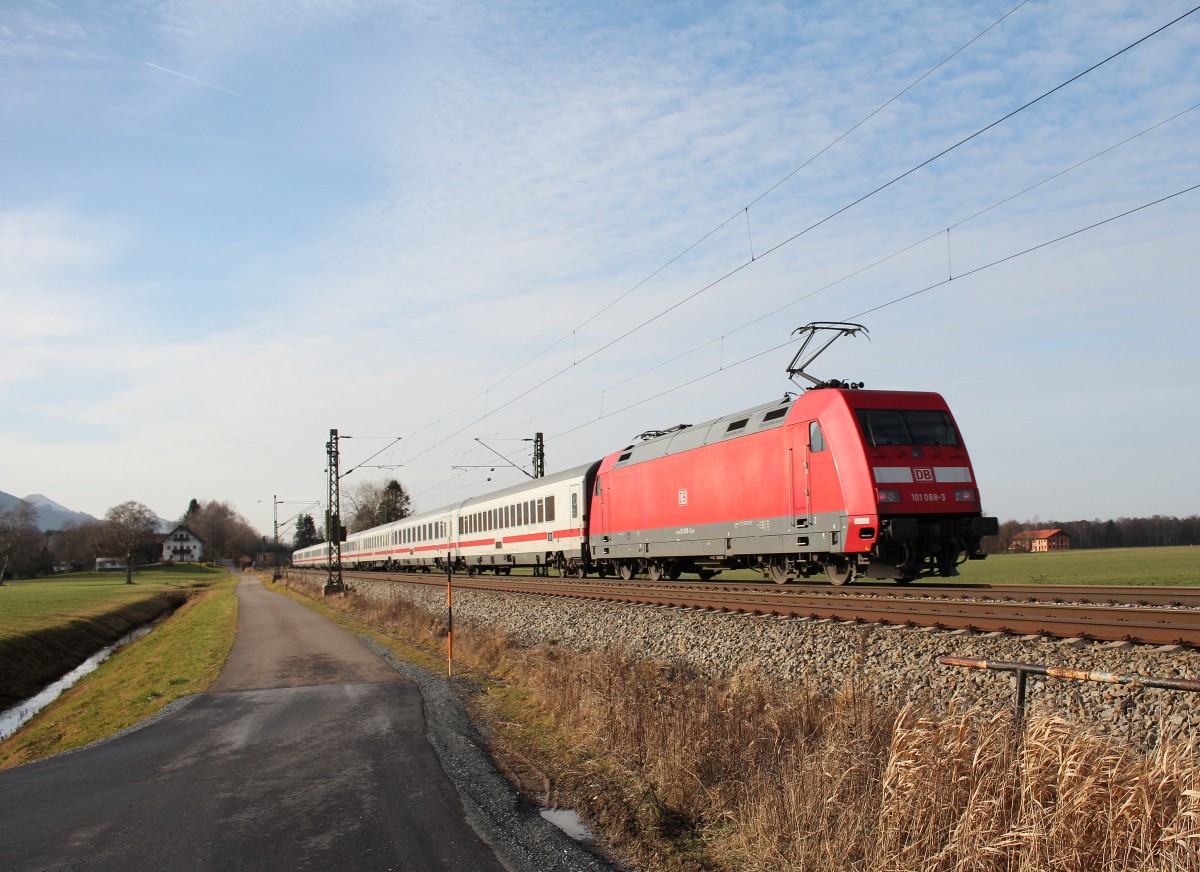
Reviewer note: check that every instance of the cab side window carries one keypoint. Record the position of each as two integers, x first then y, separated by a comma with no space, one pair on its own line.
816,439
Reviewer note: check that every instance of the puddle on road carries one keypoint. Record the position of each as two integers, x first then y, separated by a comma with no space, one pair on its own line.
568,821
14,718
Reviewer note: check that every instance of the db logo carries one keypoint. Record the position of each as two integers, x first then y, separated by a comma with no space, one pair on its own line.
922,475
683,496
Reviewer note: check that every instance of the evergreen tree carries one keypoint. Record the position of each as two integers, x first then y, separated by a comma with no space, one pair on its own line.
306,533
394,503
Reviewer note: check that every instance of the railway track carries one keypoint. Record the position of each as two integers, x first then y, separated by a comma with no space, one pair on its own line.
1161,616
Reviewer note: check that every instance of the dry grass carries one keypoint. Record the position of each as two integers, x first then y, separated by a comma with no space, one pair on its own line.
764,776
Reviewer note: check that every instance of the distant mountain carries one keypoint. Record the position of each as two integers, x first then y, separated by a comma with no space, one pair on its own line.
51,515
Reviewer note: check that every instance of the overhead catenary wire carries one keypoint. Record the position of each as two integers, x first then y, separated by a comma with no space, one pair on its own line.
901,298
571,334
494,409
811,227
877,262
859,200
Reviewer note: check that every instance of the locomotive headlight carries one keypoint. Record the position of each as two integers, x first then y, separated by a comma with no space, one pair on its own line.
964,496
889,496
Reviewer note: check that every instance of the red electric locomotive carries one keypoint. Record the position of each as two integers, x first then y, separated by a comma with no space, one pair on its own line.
839,480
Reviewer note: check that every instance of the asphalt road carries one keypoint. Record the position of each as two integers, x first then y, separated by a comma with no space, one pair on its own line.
308,753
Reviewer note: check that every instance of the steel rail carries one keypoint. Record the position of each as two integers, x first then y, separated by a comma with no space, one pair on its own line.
1160,625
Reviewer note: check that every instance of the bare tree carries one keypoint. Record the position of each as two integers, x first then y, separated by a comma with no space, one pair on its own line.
130,524
76,543
225,532
372,504
362,500
19,534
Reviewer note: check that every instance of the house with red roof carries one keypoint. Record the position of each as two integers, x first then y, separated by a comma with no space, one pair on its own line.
1041,540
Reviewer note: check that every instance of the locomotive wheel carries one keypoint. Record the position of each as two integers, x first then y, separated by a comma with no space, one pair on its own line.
625,570
840,572
674,572
654,571
781,571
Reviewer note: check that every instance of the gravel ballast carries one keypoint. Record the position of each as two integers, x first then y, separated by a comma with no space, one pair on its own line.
898,664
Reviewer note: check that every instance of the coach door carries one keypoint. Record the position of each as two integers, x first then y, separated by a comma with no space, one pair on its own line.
822,486
798,475
577,509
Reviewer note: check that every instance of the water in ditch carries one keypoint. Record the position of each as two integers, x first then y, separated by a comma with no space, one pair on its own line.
568,821
14,718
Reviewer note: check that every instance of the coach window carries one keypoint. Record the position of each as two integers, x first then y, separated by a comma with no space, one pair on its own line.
574,505
541,512
549,508
816,439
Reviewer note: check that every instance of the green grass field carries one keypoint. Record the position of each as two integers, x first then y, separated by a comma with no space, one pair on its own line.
182,656
1167,566
44,603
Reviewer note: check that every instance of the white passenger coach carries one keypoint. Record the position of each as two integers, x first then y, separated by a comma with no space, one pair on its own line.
540,524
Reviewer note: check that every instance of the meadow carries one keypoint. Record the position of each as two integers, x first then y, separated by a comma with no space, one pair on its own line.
1167,566
181,656
30,606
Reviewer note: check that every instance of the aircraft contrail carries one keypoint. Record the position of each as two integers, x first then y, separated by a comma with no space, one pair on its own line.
200,82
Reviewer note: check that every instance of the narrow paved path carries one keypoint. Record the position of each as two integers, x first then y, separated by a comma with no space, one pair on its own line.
308,753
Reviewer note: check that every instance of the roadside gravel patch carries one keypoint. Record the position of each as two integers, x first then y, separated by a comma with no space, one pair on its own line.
522,839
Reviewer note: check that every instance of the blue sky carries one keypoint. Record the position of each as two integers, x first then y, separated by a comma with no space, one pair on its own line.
227,227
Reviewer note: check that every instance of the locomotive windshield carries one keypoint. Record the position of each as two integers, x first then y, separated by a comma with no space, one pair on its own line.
906,427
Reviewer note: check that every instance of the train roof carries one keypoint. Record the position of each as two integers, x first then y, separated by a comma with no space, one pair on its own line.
753,420
522,487
519,488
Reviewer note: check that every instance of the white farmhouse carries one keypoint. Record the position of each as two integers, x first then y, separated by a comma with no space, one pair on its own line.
181,545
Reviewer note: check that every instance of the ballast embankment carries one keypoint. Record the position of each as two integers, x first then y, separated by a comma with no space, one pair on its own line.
896,664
